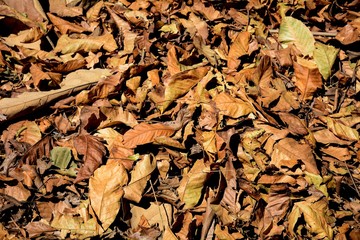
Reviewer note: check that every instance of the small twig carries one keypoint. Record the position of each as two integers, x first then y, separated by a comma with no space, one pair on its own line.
157,203
315,33
352,179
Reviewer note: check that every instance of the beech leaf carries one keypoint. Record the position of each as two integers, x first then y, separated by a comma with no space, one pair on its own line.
145,133
105,192
296,32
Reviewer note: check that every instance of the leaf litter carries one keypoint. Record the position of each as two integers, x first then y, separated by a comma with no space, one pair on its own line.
179,119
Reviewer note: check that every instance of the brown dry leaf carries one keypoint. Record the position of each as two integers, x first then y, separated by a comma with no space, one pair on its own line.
238,48
308,78
105,193
232,107
67,44
146,133
60,8
93,151
192,184
64,26
18,192
315,217
290,149
140,176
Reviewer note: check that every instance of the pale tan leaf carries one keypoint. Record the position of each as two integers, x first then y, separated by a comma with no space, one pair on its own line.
160,215
145,133
66,44
340,130
105,193
116,116
29,101
140,176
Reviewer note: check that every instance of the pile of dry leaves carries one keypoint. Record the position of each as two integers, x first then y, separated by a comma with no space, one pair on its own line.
166,119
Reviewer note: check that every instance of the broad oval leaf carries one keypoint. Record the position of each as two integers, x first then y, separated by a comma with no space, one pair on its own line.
294,31
146,133
60,156
232,107
105,192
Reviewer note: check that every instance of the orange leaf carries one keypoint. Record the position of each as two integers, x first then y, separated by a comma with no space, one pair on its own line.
146,133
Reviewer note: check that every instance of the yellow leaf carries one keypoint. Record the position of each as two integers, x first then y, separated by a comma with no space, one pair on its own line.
192,184
325,56
314,215
294,31
105,193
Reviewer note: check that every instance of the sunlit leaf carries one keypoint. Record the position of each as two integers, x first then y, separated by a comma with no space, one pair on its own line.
295,32
308,78
105,193
232,107
145,133
140,176
325,56
192,184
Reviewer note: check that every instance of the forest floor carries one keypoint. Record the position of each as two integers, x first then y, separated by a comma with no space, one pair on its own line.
145,119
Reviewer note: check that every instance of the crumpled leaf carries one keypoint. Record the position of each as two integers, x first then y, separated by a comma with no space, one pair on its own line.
105,193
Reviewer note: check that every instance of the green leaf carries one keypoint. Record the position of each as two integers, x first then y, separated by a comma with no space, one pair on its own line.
294,31
325,56
60,156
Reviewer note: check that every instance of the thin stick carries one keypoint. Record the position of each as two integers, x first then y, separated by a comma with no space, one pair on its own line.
352,179
162,220
323,34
